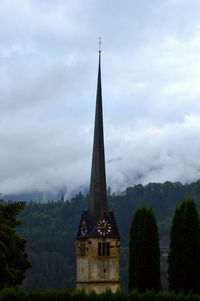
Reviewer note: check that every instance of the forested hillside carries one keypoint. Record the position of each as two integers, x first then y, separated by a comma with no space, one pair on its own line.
51,229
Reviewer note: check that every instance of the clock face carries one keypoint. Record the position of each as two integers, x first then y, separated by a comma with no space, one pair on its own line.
104,227
83,228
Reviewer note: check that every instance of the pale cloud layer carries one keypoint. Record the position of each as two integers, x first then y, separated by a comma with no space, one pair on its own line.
151,92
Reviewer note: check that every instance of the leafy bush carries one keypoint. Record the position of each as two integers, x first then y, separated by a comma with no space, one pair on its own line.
19,294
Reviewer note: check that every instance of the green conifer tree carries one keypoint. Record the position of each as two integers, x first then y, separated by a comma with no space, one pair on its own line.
184,256
13,258
144,252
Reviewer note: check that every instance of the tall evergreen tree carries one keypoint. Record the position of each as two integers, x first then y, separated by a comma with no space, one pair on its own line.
13,259
184,256
144,252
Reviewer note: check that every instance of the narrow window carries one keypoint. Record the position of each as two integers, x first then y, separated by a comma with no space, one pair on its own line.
83,249
99,249
104,270
104,247
108,249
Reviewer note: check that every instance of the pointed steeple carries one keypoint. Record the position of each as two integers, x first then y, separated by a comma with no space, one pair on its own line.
98,203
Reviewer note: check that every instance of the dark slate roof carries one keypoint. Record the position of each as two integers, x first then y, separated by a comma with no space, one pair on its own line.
92,225
97,202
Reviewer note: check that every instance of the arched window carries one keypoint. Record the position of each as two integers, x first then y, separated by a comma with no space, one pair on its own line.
104,249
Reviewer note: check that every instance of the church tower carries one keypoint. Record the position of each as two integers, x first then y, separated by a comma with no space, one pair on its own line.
98,241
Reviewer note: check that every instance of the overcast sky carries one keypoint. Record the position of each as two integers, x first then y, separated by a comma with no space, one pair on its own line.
151,92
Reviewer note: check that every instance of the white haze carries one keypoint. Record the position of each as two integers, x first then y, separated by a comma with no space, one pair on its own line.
151,92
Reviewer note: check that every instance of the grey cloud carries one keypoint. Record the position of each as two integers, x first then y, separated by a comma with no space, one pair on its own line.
150,76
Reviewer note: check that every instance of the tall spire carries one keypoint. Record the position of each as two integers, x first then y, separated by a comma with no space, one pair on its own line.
98,203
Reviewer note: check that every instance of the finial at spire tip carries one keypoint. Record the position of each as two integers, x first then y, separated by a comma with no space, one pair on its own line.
99,44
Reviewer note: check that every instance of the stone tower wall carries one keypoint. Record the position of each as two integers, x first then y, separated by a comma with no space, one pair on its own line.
94,272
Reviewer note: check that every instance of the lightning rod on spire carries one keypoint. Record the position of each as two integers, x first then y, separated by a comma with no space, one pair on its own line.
99,44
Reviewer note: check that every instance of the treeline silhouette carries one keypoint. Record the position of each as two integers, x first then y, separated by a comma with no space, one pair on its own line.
50,229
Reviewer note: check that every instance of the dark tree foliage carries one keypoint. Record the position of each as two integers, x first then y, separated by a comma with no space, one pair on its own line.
184,257
135,242
50,229
144,252
13,258
12,294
